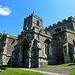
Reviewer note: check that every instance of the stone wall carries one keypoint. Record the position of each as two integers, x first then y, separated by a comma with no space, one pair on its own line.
71,46
7,47
58,41
63,48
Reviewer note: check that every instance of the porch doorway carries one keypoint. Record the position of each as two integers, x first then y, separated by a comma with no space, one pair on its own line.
25,46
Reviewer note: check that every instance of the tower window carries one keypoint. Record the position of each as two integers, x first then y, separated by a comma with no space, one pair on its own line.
38,22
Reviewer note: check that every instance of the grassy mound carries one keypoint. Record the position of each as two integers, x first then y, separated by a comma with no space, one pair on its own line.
15,71
67,64
73,71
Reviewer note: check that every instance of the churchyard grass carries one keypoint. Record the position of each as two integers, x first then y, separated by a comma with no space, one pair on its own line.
67,64
15,71
72,71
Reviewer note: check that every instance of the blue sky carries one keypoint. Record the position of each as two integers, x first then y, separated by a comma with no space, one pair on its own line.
13,12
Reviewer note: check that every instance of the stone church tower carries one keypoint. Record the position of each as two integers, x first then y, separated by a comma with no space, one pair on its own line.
34,44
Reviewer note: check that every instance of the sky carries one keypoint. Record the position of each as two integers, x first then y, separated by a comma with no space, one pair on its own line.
13,12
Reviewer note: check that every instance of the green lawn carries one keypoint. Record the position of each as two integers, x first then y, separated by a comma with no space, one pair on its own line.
73,71
15,71
68,64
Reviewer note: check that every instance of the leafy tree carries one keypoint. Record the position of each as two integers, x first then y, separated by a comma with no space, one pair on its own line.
0,35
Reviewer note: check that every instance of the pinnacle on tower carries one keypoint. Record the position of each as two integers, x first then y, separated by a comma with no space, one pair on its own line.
4,32
33,10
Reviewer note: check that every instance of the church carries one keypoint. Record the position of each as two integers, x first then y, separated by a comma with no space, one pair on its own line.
38,47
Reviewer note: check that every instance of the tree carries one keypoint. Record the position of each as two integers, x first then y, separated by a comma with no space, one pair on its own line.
0,35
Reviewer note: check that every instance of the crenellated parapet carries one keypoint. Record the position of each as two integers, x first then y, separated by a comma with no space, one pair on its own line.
27,17
60,23
37,17
9,36
34,16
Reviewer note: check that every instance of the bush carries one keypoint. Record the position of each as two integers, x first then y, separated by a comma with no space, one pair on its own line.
5,65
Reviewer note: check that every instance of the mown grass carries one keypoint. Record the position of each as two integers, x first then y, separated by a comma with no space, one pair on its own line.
67,64
15,71
72,71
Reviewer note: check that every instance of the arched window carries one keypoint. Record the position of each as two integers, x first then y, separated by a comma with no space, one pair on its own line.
47,47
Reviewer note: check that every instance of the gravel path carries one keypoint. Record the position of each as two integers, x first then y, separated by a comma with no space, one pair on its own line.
60,70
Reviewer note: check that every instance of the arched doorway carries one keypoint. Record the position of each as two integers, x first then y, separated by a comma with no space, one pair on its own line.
24,48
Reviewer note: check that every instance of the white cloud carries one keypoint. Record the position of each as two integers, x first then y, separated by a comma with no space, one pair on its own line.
4,10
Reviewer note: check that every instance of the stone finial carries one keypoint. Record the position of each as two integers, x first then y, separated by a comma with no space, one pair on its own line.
4,31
